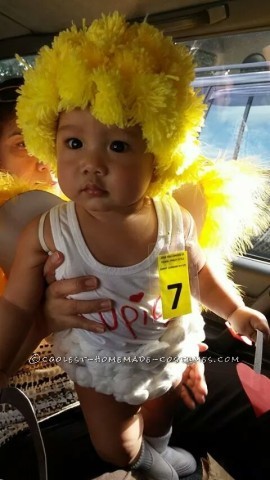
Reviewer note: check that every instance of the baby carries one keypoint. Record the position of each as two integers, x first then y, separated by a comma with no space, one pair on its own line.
112,107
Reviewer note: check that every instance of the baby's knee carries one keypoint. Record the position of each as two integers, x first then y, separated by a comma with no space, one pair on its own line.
121,454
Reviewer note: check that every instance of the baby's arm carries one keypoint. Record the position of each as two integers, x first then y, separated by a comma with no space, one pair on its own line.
22,295
216,291
217,294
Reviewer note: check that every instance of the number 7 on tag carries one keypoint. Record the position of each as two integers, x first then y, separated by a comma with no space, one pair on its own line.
174,284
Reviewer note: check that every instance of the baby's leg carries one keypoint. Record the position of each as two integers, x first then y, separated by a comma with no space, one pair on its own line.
192,389
158,416
116,432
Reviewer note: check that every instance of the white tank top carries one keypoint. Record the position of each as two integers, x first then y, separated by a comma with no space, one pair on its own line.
140,355
136,317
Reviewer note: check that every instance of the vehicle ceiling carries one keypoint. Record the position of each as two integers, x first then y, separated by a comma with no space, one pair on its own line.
27,24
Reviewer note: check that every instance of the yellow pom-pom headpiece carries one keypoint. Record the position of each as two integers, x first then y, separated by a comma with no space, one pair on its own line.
126,74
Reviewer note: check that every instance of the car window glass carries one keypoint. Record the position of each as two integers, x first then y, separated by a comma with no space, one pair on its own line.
222,125
237,124
233,73
13,67
256,138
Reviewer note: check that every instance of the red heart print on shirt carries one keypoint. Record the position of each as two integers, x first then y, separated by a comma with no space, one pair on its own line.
136,297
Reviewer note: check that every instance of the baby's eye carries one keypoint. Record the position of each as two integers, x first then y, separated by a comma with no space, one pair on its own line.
74,143
119,146
21,145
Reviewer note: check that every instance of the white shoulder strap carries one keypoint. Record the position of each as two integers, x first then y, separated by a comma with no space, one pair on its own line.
178,237
41,233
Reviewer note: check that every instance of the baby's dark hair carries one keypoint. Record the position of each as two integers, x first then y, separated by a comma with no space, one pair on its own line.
8,99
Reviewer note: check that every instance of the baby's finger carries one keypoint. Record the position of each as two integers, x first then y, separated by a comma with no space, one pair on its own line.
203,347
187,397
195,381
260,323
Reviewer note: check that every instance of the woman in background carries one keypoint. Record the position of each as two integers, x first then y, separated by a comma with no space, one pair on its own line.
13,155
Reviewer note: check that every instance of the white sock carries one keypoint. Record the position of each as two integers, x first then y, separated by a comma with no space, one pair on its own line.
154,464
182,461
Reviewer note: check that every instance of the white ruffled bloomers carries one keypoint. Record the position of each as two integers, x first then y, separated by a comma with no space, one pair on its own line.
132,375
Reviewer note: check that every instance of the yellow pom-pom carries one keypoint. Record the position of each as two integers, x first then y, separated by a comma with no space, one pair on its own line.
126,74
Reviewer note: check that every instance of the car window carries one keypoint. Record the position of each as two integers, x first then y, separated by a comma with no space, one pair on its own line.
237,123
13,67
256,139
233,74
219,137
237,126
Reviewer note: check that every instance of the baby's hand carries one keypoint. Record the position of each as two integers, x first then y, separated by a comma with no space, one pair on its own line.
193,388
246,321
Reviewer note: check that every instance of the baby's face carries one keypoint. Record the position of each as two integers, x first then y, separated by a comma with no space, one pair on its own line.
102,168
15,159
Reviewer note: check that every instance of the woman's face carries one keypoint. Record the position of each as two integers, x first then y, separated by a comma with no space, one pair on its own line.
14,157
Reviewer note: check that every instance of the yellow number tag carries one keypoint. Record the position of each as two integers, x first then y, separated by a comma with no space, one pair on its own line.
174,284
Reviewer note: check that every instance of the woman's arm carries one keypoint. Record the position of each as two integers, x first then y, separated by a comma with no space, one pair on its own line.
59,313
15,324
22,295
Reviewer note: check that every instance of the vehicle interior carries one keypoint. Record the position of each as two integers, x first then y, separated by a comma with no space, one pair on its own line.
222,35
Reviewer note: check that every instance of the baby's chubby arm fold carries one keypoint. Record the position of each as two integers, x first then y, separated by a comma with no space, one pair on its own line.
22,295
